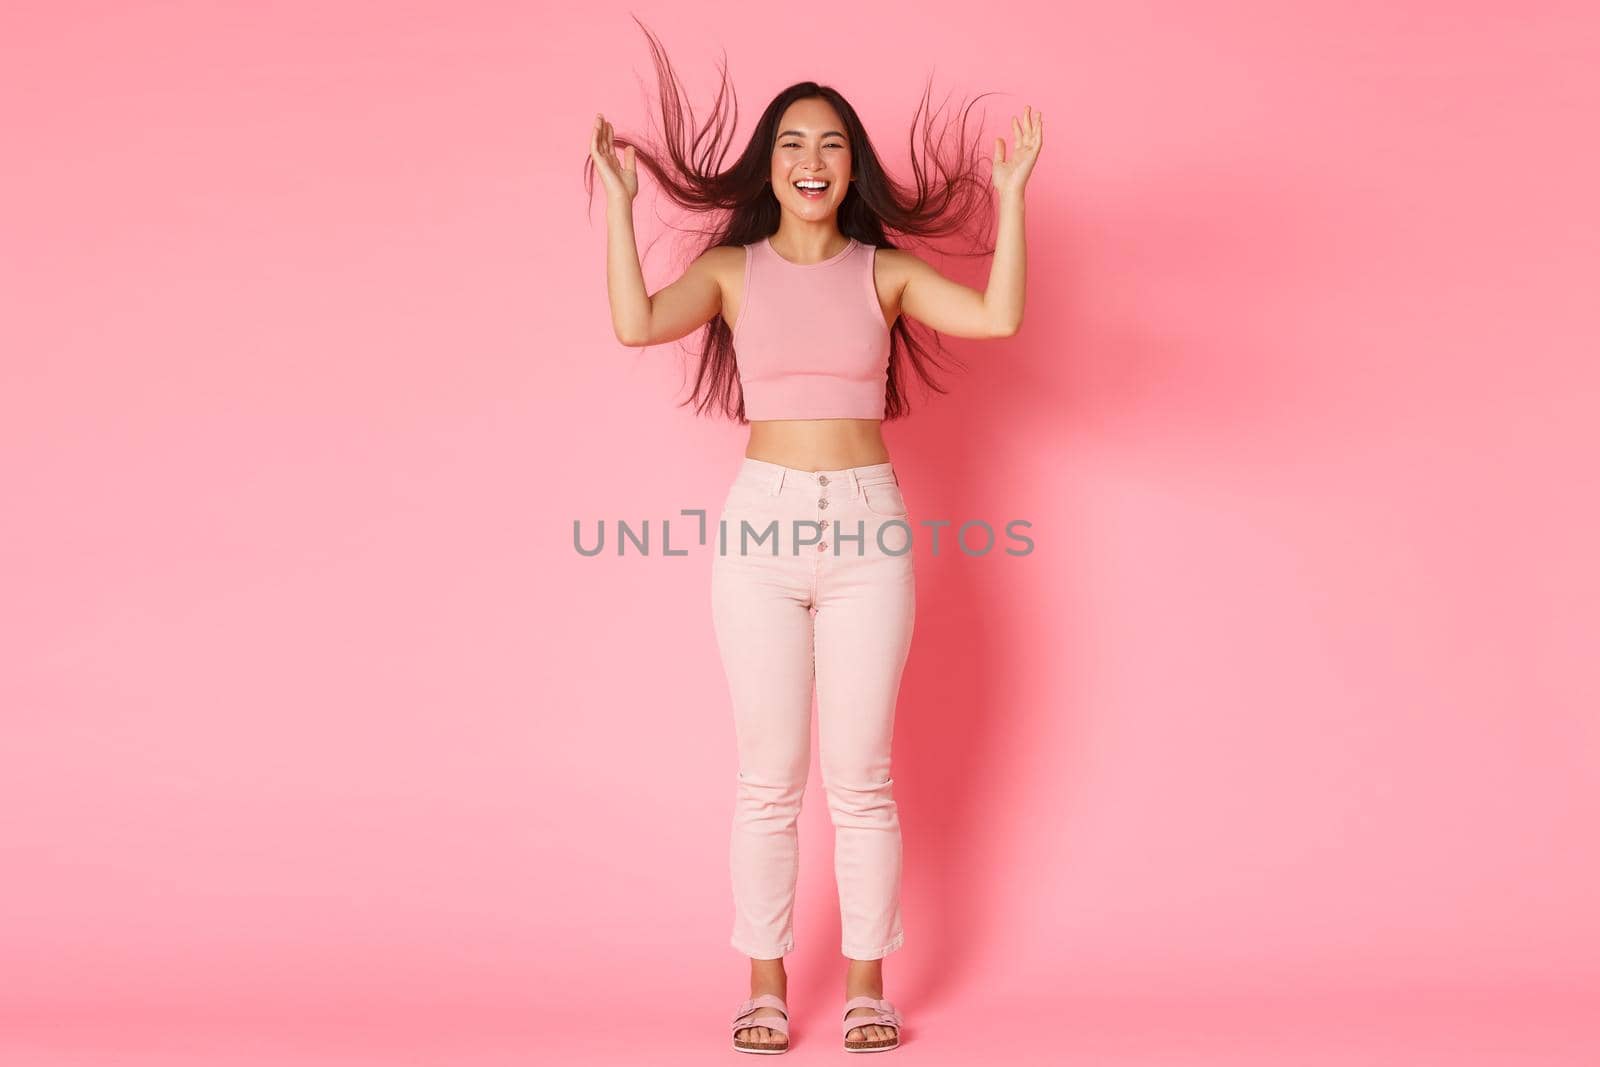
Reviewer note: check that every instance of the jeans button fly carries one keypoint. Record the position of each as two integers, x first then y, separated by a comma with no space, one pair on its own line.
822,503
822,479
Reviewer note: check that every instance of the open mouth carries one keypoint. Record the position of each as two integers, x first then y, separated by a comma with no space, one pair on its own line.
812,189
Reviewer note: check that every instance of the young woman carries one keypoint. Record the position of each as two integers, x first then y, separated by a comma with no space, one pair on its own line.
805,301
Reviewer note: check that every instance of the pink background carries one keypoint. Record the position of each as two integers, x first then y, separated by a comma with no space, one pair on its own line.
322,745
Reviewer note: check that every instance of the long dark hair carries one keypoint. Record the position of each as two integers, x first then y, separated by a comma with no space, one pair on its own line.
950,195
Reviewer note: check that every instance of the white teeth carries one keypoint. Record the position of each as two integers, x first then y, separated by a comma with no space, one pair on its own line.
811,184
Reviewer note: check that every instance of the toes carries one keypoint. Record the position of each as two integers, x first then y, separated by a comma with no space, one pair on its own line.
870,1032
762,1035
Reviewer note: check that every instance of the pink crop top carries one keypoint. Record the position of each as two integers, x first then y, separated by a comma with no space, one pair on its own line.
811,342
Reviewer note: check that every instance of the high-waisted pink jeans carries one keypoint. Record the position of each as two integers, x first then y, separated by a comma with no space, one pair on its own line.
827,597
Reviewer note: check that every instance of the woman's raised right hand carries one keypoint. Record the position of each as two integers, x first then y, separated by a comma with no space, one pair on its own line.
620,175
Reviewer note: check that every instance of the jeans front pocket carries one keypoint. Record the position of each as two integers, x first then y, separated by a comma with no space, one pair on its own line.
884,498
743,499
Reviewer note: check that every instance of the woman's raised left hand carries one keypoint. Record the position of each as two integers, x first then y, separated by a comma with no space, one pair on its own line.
1010,175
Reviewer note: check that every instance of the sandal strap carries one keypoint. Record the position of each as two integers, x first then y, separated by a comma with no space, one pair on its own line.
884,1013
868,1002
744,1014
764,1000
771,1022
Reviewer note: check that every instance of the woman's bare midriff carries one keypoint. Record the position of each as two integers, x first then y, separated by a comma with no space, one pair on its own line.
818,444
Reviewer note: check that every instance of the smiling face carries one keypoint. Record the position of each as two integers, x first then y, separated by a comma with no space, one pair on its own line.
811,148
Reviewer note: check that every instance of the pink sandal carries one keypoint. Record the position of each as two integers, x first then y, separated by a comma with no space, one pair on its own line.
886,1016
745,1017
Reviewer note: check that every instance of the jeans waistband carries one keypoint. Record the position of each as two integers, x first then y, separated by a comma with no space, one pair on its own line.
775,477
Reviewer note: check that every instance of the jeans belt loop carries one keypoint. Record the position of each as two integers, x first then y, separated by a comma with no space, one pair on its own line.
777,481
855,484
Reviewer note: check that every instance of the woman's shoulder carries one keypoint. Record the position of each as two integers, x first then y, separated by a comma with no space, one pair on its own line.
899,257
723,263
897,262
721,257
893,267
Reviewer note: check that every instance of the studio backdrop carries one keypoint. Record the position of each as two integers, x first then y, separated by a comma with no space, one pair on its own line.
321,739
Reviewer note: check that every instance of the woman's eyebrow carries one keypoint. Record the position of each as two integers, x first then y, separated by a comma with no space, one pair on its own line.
799,133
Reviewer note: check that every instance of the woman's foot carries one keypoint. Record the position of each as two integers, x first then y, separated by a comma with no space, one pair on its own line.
864,978
766,976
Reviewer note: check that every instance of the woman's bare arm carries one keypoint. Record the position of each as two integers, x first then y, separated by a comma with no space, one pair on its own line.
682,307
641,320
638,318
961,311
630,304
